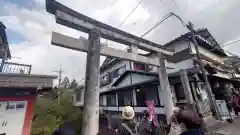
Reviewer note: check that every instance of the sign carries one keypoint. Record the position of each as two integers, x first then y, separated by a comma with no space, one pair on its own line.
152,112
16,115
223,110
24,80
12,117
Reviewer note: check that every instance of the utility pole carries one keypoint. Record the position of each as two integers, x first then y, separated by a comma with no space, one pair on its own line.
60,71
205,78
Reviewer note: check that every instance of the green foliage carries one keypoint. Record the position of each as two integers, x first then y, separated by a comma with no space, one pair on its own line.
49,115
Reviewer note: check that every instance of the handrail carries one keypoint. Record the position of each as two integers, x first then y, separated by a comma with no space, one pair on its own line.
10,67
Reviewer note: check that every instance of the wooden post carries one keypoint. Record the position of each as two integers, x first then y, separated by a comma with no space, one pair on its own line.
91,94
186,87
165,88
194,92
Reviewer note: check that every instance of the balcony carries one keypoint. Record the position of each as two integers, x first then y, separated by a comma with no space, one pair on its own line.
9,67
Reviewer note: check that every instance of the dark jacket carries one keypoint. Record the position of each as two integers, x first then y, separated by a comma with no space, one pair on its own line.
123,131
145,127
193,132
65,130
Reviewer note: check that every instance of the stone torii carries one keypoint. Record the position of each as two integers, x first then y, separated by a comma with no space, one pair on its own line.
72,19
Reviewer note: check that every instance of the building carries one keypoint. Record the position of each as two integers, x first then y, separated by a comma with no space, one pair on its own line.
18,91
128,83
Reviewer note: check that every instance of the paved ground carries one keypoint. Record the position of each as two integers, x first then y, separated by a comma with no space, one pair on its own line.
227,128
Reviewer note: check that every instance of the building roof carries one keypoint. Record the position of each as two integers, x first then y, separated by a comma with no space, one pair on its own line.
173,79
3,41
135,72
204,39
171,75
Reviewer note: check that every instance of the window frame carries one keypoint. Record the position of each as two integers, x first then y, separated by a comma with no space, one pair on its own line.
157,95
115,97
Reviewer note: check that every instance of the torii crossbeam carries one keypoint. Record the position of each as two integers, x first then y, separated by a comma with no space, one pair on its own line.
72,19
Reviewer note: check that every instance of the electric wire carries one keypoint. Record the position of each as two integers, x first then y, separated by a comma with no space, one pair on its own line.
128,16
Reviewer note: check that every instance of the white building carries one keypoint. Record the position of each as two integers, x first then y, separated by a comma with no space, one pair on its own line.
128,83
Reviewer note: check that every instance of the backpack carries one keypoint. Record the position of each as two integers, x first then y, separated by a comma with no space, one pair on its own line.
130,130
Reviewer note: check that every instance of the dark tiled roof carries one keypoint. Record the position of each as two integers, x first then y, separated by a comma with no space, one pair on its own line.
205,34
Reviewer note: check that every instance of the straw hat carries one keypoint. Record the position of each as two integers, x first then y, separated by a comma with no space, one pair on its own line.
128,113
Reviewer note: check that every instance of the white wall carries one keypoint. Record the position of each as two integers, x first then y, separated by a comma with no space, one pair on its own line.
114,67
207,53
180,45
136,78
185,64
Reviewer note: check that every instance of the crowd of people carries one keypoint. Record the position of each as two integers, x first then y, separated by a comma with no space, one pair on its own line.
184,122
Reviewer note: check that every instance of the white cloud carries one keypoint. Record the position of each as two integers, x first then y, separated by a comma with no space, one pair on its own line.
36,26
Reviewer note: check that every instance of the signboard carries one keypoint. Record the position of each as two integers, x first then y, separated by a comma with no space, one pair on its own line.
152,112
12,117
16,115
25,80
223,110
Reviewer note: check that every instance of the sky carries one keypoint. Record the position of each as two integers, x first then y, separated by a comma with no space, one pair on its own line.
29,27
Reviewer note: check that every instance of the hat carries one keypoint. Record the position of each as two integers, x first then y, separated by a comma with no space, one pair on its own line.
176,110
128,113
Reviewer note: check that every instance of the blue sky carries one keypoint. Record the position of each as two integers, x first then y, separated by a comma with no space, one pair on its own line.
14,37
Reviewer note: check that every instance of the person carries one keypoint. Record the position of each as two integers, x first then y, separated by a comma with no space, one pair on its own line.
191,121
235,103
66,129
127,126
145,127
175,128
105,128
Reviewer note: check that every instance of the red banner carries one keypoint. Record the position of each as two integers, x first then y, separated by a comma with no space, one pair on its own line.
152,112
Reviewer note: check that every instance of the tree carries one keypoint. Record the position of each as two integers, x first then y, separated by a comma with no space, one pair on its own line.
49,115
65,82
73,84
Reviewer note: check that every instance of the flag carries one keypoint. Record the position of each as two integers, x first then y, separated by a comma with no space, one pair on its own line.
152,112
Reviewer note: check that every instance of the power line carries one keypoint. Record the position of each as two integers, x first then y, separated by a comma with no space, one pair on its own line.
165,5
230,43
157,24
128,16
215,47
176,4
112,3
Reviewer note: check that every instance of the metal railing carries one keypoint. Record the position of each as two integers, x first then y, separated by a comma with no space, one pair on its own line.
10,67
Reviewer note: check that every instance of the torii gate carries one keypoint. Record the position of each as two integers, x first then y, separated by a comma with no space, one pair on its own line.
72,19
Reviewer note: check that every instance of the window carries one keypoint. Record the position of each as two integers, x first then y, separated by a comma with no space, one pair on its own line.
139,66
78,96
101,100
111,99
179,92
125,98
104,80
147,93
119,71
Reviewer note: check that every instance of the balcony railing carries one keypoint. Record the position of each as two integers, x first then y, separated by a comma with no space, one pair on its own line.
10,67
